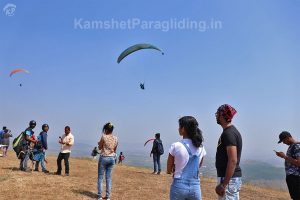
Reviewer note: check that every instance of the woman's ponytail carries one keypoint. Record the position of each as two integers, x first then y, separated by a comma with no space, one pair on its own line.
190,125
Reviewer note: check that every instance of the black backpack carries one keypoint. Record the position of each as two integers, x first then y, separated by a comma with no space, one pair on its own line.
39,144
19,145
160,148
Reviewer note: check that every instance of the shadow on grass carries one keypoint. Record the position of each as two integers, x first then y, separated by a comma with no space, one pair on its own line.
86,193
12,168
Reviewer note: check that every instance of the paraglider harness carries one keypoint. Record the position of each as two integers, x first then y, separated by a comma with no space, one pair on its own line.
19,145
22,147
142,86
95,152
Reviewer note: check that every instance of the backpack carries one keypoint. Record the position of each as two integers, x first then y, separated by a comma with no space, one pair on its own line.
160,148
94,152
19,145
39,144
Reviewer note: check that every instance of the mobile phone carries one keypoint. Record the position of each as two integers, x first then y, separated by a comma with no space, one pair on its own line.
274,151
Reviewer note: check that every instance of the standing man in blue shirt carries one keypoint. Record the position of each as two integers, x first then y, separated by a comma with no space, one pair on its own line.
44,146
28,135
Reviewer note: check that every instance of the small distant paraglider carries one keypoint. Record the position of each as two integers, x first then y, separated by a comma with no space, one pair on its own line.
15,71
137,47
142,86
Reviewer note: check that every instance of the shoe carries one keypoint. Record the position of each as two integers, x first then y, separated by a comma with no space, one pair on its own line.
154,172
36,170
158,173
57,173
26,170
66,174
100,198
46,171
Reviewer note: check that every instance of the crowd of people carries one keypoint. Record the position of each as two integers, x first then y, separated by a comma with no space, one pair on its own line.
31,146
184,159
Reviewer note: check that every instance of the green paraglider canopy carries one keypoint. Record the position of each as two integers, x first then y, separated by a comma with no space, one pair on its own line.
137,47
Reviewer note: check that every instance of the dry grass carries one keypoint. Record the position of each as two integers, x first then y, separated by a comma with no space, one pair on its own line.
128,183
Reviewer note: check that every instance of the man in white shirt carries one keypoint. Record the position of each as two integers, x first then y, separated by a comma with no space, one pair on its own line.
66,141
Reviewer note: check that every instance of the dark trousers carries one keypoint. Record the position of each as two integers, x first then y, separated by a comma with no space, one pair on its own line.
65,157
293,183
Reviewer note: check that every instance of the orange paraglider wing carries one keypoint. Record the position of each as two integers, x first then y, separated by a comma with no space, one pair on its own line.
149,141
17,71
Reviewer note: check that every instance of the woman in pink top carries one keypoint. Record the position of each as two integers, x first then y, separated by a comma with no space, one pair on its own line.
107,146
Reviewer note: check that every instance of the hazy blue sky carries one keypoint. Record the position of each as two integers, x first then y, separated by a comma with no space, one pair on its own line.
251,62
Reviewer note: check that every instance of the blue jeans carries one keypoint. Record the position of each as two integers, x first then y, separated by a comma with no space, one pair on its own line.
156,162
24,161
105,164
42,160
185,190
233,188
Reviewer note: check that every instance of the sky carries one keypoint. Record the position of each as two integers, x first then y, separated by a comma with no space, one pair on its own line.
247,56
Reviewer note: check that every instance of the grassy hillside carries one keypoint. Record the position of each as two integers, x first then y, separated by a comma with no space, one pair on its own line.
128,183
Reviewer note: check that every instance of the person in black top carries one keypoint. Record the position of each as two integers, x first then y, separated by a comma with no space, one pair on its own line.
156,154
228,155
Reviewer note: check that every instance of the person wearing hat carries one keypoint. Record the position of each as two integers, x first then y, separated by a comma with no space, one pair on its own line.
292,163
228,155
29,133
41,149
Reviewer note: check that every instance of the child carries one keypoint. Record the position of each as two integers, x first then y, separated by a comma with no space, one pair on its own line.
121,158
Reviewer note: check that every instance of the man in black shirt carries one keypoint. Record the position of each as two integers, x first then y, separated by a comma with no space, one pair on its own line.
228,155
